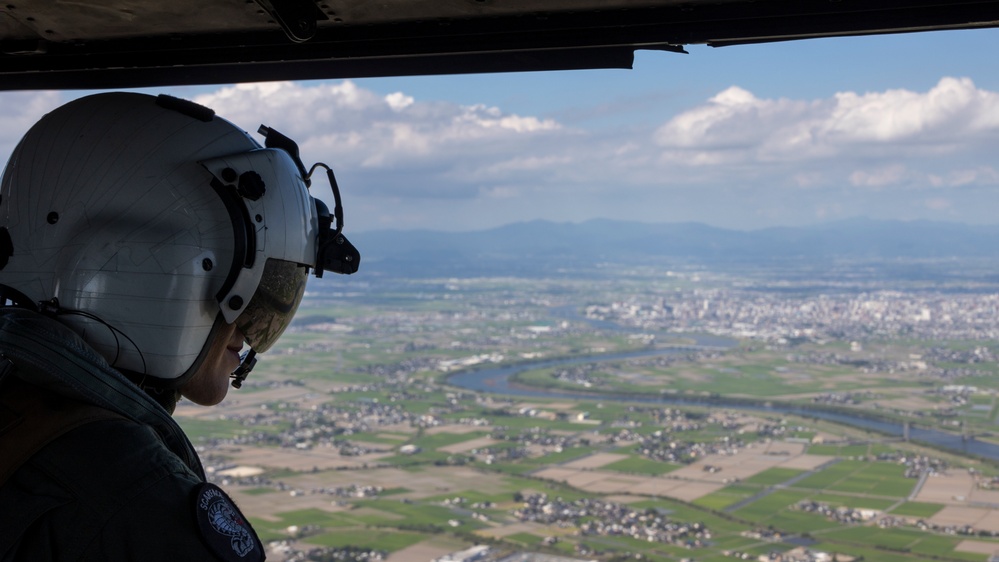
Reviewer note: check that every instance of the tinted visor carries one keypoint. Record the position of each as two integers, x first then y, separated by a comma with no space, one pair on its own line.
274,304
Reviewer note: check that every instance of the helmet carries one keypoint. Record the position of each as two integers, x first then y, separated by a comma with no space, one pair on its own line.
146,223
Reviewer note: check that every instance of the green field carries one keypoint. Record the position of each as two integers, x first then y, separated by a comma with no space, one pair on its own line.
861,477
380,359
772,476
375,539
917,509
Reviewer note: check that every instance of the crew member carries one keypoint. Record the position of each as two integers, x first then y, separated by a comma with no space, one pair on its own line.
143,242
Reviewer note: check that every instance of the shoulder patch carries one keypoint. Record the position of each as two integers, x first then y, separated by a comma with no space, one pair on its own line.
223,527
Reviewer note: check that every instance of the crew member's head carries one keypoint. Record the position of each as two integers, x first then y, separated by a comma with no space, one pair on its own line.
156,229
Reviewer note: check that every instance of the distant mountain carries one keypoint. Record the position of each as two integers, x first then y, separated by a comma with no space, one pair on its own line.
527,247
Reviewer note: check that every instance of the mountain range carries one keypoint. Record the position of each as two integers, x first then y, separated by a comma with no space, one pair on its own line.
522,248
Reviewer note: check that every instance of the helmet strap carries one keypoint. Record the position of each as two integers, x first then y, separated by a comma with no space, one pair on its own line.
247,361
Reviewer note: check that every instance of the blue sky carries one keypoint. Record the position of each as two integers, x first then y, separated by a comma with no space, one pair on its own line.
799,69
896,127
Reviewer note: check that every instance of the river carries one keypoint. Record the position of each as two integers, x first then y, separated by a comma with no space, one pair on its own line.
497,380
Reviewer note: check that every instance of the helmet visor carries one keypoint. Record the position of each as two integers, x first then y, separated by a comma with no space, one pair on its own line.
274,304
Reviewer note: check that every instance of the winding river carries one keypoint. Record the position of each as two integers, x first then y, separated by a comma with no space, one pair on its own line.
497,380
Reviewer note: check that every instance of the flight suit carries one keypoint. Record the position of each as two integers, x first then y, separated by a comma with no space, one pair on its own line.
92,468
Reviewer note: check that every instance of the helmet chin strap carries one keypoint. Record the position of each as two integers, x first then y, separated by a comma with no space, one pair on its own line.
247,361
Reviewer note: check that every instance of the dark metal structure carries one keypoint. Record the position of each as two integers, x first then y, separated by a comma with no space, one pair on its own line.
131,43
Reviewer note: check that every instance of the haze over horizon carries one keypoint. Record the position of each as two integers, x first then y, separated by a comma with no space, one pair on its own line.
837,222
894,127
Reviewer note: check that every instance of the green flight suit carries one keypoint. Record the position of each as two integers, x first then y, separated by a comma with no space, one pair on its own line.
116,480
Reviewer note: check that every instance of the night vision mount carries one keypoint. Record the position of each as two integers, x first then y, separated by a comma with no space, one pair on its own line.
333,251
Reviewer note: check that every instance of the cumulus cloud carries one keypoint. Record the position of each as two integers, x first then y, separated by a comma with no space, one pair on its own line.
950,111
397,144
410,152
735,159
735,126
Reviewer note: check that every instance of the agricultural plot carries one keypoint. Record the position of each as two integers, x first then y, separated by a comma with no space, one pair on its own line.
772,476
917,509
840,450
862,478
563,456
778,510
322,422
895,539
854,501
755,374
639,465
421,501
721,499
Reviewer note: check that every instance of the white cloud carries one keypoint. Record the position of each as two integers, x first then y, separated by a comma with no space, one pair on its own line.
735,126
296,109
18,112
952,109
982,175
881,177
395,144
737,158
399,101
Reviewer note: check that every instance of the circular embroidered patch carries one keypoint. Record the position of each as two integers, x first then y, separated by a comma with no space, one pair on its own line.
223,527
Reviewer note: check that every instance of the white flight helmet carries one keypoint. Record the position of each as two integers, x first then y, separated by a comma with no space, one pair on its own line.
146,223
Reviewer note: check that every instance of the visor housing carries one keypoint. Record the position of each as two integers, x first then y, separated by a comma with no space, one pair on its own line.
279,224
273,305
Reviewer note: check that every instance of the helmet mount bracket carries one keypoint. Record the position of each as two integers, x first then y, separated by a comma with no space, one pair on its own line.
334,252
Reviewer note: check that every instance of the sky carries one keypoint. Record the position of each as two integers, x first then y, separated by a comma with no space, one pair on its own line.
900,127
